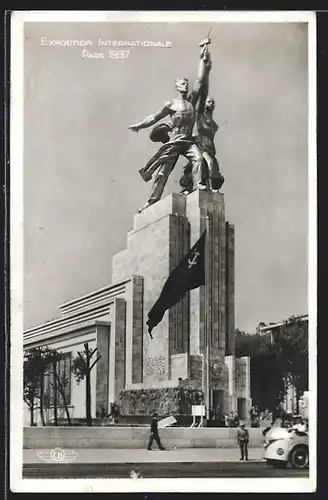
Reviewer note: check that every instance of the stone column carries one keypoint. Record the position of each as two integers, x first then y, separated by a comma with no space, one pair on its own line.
247,362
102,368
196,213
119,318
137,330
199,204
230,289
231,404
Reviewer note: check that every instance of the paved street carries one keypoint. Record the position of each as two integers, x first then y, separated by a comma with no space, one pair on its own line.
163,469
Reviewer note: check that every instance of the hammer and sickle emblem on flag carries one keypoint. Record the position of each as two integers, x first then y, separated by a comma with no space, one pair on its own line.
193,261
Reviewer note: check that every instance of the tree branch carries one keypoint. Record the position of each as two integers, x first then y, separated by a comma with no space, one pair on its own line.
93,364
92,353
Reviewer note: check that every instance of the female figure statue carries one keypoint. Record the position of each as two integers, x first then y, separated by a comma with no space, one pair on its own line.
206,130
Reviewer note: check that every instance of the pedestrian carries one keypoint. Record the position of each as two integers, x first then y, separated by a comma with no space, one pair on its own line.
243,438
298,424
252,416
114,412
154,434
256,417
236,419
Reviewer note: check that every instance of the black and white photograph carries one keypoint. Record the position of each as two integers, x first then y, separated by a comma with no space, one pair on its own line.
163,251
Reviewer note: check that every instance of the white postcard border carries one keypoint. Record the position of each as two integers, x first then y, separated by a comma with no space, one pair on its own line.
17,483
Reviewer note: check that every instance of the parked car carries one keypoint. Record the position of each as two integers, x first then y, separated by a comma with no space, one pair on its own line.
286,446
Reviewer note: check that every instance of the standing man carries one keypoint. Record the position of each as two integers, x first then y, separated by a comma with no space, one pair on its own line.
236,419
243,438
154,433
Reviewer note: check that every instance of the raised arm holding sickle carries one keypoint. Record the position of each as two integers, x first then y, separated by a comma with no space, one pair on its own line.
179,141
206,130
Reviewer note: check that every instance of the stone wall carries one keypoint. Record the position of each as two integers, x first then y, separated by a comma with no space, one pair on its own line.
133,437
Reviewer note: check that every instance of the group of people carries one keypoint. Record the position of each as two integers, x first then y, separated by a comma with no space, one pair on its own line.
112,415
297,423
215,413
231,419
176,135
255,416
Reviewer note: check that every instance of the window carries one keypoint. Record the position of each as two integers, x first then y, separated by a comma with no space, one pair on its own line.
64,374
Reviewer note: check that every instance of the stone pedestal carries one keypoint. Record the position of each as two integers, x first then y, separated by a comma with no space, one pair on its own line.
161,236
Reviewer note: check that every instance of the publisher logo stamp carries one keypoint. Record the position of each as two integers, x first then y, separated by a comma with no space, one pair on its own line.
57,456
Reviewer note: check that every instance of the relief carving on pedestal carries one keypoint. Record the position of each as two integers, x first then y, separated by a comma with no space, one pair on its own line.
155,366
217,370
218,374
240,376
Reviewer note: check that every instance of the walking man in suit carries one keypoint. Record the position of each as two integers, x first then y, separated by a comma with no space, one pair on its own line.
243,438
154,434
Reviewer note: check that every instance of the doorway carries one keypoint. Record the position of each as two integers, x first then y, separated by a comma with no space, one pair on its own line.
241,408
217,400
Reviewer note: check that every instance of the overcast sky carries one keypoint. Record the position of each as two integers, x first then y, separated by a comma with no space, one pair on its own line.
81,181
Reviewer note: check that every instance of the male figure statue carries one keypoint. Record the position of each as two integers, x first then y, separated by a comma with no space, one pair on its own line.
182,112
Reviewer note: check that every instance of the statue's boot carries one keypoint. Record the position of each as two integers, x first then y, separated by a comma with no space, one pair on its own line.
217,183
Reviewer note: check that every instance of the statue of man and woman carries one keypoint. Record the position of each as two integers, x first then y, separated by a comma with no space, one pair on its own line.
176,135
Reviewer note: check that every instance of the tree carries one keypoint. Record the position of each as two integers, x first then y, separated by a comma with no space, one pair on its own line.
247,344
58,384
37,361
291,345
31,383
81,367
276,361
267,384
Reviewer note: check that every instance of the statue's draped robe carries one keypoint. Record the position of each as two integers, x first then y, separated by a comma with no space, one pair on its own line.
168,152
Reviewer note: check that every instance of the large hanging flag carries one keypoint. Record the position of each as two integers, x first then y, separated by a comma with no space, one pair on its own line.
189,274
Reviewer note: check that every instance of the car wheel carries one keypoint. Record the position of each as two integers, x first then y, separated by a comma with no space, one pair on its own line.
299,457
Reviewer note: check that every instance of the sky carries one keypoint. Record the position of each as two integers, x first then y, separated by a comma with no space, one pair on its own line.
81,181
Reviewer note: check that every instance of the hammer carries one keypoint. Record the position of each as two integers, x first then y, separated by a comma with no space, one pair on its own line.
207,40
